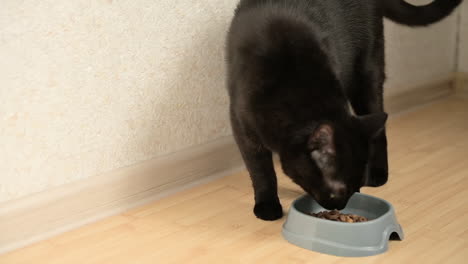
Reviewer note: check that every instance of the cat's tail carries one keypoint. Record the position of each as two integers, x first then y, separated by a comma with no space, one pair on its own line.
407,14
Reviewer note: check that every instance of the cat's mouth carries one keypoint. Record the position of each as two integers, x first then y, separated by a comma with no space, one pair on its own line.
334,204
331,201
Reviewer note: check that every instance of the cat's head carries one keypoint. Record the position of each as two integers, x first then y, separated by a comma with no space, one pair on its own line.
329,159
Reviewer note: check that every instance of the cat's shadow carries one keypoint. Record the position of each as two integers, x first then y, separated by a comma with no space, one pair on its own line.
186,94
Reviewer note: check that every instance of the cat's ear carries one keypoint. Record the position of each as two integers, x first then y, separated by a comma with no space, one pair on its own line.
322,139
373,124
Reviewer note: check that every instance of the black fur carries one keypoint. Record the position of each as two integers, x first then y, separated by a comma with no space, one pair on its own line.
407,14
293,67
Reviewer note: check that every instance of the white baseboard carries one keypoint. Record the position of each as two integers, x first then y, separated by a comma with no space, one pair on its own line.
421,94
461,84
46,214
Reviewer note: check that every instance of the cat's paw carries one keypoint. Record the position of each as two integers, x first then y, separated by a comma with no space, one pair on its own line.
269,210
377,177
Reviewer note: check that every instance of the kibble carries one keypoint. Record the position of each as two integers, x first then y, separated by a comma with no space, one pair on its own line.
335,215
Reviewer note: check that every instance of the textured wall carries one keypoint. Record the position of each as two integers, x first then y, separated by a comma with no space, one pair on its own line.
91,86
463,47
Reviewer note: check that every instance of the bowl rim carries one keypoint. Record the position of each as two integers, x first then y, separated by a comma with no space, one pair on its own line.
387,213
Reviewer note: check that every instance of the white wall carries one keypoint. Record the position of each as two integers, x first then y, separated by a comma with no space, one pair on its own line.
92,86
418,55
463,45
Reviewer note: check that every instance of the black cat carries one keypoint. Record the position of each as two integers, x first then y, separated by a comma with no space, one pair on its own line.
294,69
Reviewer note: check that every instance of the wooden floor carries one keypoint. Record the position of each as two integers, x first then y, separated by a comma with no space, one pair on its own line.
214,223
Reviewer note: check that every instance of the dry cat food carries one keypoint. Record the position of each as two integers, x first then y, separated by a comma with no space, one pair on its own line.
335,215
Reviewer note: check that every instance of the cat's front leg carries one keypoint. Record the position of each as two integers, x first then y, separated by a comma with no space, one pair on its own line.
367,98
378,161
259,163
377,170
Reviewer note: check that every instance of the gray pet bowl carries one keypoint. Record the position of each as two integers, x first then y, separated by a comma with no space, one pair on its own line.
343,239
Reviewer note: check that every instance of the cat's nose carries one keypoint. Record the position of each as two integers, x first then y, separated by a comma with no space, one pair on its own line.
337,197
337,190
